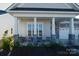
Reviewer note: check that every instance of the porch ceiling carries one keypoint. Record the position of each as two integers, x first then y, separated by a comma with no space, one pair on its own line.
44,18
33,17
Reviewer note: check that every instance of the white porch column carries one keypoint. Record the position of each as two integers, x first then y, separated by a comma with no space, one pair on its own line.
71,32
53,28
15,26
35,22
15,30
19,26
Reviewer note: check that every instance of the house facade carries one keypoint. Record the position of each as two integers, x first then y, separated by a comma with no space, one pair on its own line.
5,25
48,21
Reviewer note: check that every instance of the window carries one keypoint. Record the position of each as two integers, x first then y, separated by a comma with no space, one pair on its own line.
76,25
38,29
11,30
6,32
64,25
29,29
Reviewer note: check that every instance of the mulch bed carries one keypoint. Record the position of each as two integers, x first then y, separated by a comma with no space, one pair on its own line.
40,51
4,53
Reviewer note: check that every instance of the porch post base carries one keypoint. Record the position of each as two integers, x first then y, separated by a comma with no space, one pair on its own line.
71,40
53,38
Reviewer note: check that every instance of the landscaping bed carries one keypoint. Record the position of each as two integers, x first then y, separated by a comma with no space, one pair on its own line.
4,52
53,50
46,50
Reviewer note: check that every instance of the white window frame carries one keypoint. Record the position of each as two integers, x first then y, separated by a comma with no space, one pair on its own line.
38,28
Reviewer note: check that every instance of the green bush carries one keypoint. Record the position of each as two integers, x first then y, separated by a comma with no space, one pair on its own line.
53,45
11,42
17,45
7,42
30,45
0,44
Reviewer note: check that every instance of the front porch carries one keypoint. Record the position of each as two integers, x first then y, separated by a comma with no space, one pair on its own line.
63,30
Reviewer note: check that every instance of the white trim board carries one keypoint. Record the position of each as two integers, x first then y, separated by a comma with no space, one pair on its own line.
38,27
43,15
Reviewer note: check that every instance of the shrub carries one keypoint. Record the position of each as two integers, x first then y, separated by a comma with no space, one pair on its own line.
7,42
53,45
11,42
0,44
30,45
17,45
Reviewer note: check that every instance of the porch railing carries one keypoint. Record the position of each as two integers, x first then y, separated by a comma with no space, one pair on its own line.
45,39
38,40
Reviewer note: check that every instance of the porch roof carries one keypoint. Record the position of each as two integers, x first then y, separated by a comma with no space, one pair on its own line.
42,9
71,7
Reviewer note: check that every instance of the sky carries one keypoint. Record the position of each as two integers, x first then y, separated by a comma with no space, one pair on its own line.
3,6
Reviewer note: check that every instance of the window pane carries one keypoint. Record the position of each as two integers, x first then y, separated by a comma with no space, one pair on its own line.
37,26
32,26
40,26
29,29
76,26
29,26
64,25
29,33
40,32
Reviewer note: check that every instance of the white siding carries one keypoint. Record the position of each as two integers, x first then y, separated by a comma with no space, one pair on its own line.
23,26
6,23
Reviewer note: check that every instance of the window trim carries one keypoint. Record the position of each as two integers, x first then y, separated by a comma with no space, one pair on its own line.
38,28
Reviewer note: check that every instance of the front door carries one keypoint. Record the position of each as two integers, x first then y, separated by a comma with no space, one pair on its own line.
39,28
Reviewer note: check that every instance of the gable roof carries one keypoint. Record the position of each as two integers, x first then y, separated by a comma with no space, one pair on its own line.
44,7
